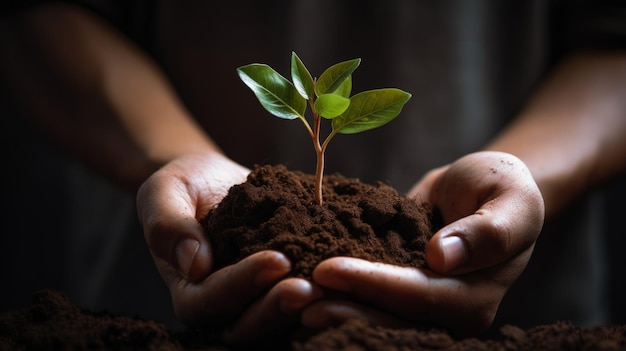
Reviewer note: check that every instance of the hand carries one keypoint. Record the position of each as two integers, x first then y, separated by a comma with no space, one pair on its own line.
493,212
251,299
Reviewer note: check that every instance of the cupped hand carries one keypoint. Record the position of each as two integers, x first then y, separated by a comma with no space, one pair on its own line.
250,300
493,213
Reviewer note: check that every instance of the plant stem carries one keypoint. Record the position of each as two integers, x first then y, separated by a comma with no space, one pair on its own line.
319,151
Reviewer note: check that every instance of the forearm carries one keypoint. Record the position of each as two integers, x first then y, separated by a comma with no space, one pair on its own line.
572,135
97,95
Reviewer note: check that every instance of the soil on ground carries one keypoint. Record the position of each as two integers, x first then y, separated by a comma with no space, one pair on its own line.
53,322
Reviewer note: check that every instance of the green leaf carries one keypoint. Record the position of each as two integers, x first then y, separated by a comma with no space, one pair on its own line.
370,109
345,89
331,105
335,75
301,77
275,93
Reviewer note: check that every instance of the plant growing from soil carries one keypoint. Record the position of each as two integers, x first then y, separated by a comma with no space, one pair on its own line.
328,97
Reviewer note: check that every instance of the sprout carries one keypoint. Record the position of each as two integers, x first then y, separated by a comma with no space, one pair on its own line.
328,97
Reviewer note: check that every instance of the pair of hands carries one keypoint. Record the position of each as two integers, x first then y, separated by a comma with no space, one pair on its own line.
493,212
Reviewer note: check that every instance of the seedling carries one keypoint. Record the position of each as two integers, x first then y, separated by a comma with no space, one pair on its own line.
328,97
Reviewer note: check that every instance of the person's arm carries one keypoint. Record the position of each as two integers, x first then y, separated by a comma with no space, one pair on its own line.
570,138
572,135
92,91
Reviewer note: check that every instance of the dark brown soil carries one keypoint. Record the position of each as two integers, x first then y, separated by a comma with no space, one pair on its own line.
276,209
356,335
52,322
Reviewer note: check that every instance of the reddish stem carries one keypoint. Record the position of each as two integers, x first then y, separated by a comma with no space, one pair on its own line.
319,151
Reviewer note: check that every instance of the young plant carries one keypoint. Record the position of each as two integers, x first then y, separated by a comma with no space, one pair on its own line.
328,97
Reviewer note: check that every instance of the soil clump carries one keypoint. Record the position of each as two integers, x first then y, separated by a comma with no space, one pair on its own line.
276,209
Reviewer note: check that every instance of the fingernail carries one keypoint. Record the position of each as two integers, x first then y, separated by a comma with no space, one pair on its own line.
454,253
185,253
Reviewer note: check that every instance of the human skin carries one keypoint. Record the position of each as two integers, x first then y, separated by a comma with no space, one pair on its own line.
493,212
98,97
153,146
570,137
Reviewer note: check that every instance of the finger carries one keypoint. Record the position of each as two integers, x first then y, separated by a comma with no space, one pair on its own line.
505,222
277,312
488,237
464,304
172,232
224,294
169,204
325,314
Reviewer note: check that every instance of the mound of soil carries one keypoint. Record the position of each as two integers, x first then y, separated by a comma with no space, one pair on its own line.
53,322
276,209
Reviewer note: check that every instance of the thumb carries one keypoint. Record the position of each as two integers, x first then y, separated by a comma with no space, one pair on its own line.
175,237
494,209
182,245
501,229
